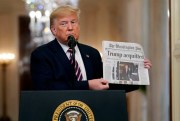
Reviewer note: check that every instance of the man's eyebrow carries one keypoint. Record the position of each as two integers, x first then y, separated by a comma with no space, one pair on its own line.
63,21
68,21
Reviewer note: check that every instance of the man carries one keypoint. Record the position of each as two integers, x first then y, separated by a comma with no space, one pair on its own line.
51,68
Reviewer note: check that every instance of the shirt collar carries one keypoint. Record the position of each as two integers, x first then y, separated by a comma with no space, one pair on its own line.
65,47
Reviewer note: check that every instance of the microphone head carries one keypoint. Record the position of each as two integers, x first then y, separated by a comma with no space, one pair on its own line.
71,41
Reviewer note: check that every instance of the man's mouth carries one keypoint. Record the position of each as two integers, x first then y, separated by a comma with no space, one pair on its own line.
70,34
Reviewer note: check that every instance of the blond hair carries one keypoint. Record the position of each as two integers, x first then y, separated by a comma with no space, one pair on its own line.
64,10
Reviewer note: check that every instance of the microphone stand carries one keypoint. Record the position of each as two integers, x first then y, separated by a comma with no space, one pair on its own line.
73,56
72,43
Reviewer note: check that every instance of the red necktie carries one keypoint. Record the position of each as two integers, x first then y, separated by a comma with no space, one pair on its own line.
76,66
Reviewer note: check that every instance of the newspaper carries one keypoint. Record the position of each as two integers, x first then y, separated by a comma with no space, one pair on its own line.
123,63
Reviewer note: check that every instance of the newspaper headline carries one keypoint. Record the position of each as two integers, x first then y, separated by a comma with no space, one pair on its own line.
123,63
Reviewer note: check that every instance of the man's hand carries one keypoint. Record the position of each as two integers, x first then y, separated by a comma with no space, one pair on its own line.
98,84
147,63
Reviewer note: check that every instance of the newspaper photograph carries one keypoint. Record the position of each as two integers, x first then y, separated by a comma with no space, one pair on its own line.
123,63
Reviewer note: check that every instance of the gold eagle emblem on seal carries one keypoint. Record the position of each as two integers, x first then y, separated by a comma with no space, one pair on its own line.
73,110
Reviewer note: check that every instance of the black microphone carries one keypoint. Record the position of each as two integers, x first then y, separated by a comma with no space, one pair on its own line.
71,41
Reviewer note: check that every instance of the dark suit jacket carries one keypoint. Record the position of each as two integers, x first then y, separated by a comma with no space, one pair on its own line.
51,69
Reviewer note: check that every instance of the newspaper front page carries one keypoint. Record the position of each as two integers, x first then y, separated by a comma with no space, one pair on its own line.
123,63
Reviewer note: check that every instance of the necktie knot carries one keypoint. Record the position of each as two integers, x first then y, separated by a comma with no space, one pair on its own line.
70,50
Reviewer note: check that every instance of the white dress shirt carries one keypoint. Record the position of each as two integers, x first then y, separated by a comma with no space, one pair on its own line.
77,57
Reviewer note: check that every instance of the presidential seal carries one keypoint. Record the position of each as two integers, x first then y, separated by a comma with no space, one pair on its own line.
73,110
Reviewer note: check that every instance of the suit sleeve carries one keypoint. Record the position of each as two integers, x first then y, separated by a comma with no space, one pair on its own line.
127,88
41,73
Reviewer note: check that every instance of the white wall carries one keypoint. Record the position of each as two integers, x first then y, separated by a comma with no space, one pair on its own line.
175,51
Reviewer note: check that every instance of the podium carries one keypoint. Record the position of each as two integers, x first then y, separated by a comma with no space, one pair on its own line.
73,105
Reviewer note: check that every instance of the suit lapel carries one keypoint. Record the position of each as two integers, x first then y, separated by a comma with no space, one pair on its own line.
62,57
87,60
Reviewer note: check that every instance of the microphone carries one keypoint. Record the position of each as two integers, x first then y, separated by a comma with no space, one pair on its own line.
71,41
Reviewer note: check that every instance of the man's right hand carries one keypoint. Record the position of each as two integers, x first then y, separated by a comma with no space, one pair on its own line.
98,84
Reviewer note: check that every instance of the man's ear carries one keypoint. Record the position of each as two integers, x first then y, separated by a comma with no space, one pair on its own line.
53,30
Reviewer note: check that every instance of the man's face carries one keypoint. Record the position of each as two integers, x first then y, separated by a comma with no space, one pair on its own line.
64,26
